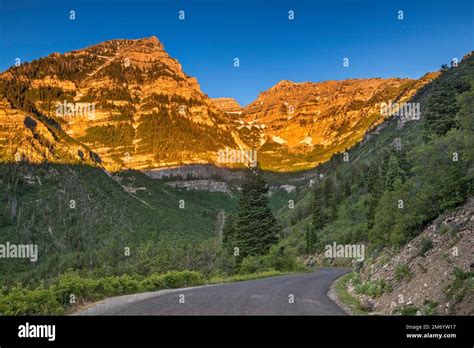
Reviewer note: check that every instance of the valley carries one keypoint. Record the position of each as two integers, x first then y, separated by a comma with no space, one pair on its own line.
153,181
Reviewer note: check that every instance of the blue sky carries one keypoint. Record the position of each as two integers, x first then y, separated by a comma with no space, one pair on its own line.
270,46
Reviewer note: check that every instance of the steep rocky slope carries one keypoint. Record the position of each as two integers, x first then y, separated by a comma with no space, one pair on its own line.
431,273
126,99
298,125
30,137
228,105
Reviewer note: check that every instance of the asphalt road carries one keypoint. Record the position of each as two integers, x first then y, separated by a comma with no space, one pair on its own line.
268,296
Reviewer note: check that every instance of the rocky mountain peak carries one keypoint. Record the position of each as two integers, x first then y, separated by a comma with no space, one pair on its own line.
229,105
283,84
153,39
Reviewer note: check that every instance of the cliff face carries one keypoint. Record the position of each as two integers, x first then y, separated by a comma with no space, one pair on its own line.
298,125
132,106
128,101
27,137
228,105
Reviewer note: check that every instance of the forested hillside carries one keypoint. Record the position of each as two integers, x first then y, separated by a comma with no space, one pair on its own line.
387,188
82,219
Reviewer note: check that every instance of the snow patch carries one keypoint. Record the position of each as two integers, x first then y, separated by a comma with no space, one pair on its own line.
278,140
307,141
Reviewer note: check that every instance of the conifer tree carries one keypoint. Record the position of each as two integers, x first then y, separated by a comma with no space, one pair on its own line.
310,239
319,215
394,172
229,232
330,199
256,228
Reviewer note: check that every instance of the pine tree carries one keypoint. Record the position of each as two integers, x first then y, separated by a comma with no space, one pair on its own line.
229,232
394,172
256,227
319,215
310,238
346,188
372,177
375,189
330,199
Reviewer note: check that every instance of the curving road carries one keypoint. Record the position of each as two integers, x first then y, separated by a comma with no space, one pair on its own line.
268,296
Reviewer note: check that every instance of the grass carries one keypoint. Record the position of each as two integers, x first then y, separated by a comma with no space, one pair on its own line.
429,308
371,288
408,310
218,279
345,297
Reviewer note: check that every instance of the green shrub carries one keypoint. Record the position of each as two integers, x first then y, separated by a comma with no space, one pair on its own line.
124,284
21,301
254,264
279,258
373,289
153,282
425,245
348,299
57,298
69,284
172,279
462,284
406,310
429,307
402,271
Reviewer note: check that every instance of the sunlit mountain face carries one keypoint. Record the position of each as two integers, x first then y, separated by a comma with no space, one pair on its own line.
128,104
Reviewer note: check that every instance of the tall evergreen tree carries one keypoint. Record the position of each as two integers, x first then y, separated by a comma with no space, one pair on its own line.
330,199
229,232
319,215
256,227
310,239
395,171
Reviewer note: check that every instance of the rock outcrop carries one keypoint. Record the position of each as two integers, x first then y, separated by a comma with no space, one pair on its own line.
228,105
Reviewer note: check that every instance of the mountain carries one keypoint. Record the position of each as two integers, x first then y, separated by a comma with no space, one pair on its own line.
432,278
80,218
143,111
228,105
126,104
296,126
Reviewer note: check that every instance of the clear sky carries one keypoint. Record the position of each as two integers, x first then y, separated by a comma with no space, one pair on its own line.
269,45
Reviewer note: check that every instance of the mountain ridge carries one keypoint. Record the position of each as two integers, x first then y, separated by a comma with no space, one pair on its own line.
149,114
